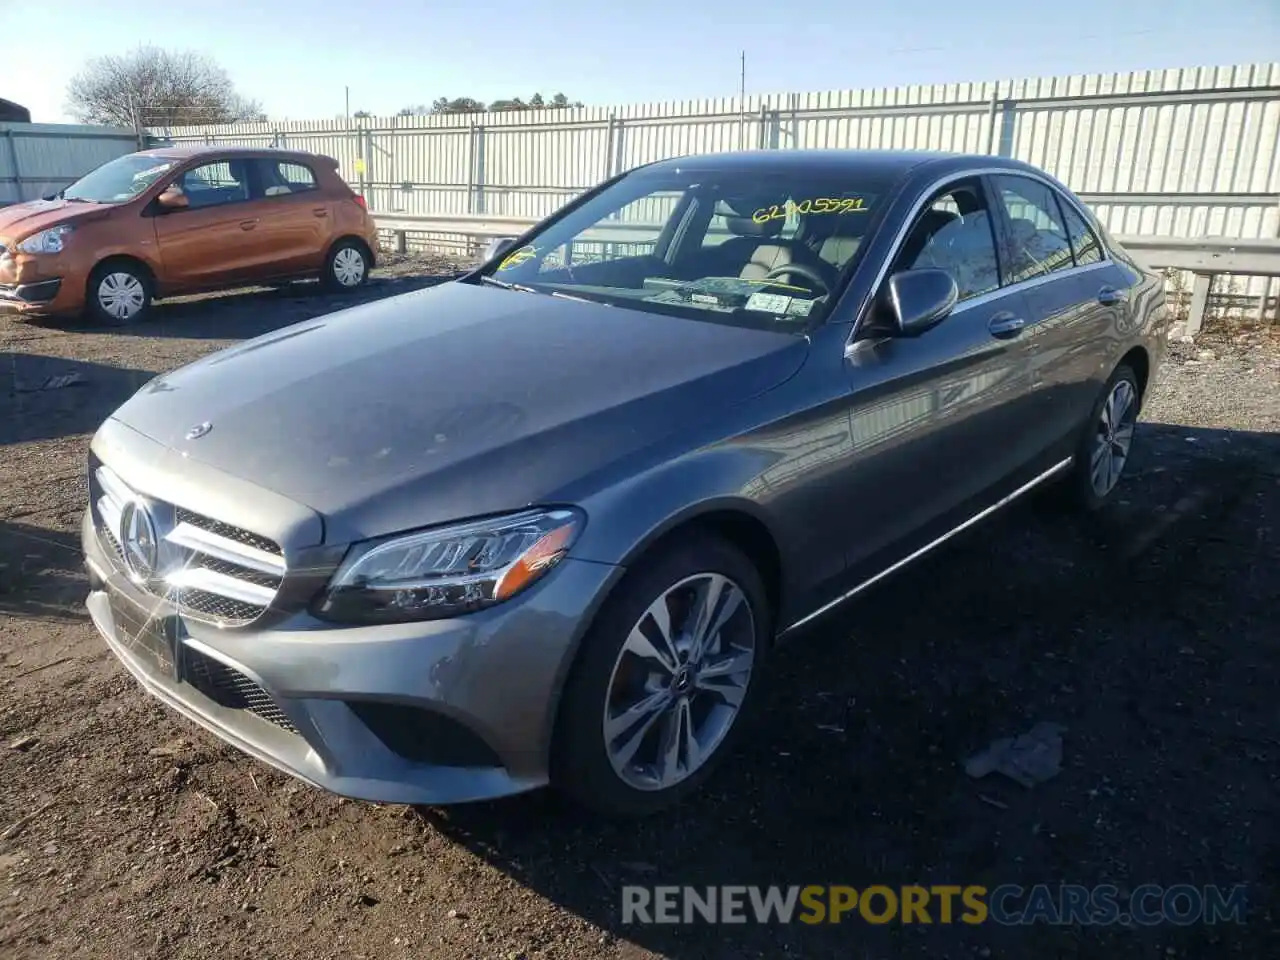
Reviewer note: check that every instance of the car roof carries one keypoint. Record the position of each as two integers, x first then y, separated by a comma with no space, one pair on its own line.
877,164
188,151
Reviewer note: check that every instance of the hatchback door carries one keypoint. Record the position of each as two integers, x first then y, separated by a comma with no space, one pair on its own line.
294,219
932,415
1074,298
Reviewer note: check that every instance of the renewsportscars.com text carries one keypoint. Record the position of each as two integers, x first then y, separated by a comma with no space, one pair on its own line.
1008,904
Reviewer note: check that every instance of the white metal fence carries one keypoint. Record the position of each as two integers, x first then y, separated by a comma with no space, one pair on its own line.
1179,153
38,158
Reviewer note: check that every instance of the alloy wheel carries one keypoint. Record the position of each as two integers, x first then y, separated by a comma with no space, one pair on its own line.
1113,437
679,681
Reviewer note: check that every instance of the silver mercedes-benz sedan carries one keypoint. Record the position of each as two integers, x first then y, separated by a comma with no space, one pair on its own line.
546,522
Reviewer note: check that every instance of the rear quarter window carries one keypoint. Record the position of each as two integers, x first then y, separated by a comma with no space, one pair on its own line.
297,175
285,177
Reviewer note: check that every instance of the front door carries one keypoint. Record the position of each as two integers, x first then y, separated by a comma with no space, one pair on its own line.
209,243
931,416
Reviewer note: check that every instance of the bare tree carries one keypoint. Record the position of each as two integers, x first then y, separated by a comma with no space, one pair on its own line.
151,87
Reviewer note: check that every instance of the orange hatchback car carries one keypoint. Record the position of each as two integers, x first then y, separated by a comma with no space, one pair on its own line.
181,220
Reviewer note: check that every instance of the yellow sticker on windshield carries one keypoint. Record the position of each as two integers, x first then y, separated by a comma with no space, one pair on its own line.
813,205
514,259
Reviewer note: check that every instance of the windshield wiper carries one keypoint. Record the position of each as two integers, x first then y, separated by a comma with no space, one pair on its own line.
485,278
570,296
506,285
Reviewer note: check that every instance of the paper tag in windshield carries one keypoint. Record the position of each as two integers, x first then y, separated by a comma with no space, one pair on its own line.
768,302
799,307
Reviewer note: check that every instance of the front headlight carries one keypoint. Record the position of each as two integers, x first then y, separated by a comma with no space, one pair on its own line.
448,571
46,241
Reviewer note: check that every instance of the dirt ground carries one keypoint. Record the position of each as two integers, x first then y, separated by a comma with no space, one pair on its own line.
1151,633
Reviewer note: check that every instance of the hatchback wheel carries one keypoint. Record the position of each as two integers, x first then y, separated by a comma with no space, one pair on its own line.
664,681
119,293
1107,441
347,266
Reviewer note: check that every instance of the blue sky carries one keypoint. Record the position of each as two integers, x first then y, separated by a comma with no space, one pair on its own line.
295,56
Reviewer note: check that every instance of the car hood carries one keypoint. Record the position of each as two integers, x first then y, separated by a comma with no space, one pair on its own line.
23,219
451,402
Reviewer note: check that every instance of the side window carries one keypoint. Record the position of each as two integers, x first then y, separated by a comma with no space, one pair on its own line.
1084,242
281,179
1037,244
213,184
955,233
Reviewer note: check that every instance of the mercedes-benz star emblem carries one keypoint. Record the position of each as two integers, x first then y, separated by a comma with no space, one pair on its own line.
199,430
139,542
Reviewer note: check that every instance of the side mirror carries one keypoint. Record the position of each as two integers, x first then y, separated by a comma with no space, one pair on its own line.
917,300
171,198
497,247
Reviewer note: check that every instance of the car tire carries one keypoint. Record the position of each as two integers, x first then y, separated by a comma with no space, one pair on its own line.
708,698
119,292
346,267
1105,448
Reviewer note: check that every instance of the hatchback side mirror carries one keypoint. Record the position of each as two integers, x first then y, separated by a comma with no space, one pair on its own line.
171,198
497,247
917,300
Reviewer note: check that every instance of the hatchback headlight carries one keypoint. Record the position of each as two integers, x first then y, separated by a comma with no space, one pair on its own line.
46,241
448,571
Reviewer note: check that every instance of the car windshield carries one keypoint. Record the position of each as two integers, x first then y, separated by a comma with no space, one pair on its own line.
119,180
769,249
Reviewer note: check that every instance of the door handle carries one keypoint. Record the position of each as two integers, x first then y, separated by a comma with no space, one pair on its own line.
248,224
320,212
1108,296
1005,325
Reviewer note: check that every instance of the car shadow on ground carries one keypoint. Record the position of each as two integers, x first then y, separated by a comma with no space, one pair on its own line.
44,398
41,575
1148,632
249,312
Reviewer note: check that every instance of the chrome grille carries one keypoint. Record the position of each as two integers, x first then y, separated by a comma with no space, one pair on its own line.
210,569
230,688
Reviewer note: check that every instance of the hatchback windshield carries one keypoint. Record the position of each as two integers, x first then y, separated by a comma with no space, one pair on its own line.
768,249
120,180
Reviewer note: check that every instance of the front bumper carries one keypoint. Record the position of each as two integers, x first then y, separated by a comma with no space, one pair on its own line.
42,285
339,707
31,294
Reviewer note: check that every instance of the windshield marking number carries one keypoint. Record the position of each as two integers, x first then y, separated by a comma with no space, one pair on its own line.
815,205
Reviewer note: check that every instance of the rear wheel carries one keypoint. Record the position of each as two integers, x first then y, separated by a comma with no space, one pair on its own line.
347,266
1107,441
664,681
119,292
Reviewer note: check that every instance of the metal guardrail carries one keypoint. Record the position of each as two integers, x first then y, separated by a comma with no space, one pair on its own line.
1205,257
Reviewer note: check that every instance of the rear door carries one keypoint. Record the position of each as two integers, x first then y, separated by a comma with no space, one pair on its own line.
294,218
207,244
932,415
1071,302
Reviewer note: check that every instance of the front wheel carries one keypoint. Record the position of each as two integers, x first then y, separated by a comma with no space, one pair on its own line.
664,681
119,293
1107,441
346,267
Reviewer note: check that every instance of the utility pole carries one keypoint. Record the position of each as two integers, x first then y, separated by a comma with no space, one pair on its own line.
347,114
